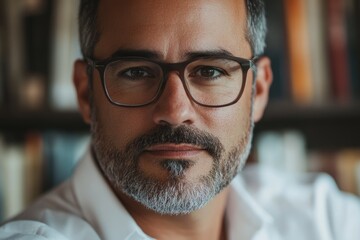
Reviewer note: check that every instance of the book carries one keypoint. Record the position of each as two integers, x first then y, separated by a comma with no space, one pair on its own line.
276,50
2,183
33,174
14,50
34,6
323,161
2,57
269,149
32,164
282,150
316,20
357,177
36,31
342,164
347,163
295,151
12,166
24,25
352,14
297,28
61,153
337,48
65,50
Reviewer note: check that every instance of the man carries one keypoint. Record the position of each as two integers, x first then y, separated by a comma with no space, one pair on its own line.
171,90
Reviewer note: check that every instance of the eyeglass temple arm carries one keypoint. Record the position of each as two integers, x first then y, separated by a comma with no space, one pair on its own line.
253,62
90,62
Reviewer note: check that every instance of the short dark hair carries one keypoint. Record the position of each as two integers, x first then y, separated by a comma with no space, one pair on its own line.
88,26
256,26
89,29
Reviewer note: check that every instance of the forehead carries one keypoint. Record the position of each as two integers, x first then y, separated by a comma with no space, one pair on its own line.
172,27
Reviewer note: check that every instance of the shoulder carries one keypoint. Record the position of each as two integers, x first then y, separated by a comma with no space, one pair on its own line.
54,225
61,199
25,229
312,200
54,213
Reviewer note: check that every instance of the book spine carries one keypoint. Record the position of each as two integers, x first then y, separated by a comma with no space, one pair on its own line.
2,178
347,163
353,50
61,152
286,151
66,50
34,84
318,52
299,51
12,166
276,50
33,148
338,50
35,163
2,57
14,50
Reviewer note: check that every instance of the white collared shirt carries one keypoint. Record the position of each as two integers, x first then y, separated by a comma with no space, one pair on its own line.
262,205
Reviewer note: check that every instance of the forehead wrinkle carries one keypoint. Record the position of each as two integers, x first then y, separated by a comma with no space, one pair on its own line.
158,56
176,43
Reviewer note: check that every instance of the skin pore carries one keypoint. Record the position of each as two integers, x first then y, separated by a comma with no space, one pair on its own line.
172,31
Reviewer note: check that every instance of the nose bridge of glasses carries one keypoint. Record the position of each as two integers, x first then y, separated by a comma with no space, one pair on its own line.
171,71
177,68
173,67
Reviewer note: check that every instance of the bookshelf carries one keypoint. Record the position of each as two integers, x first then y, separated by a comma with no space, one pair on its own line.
20,122
315,51
327,121
325,127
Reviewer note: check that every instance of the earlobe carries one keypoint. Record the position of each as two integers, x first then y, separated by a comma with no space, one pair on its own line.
81,83
263,82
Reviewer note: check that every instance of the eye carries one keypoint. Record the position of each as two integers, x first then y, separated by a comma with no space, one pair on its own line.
207,72
135,73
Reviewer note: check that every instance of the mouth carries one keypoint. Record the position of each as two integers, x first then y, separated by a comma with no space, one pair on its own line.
174,151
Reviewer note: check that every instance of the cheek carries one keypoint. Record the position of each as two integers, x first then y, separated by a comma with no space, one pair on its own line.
231,124
122,127
118,125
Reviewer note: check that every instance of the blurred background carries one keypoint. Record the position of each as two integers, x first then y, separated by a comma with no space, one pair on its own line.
312,122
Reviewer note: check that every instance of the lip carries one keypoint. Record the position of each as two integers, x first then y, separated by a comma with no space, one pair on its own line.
174,150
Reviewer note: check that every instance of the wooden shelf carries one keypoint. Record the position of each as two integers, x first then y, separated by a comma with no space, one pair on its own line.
324,127
18,122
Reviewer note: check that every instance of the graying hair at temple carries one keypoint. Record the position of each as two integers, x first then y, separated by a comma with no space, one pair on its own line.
89,31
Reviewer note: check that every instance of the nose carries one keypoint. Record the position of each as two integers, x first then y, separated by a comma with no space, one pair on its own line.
174,107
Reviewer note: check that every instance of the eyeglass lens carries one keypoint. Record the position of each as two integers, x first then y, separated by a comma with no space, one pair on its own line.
210,81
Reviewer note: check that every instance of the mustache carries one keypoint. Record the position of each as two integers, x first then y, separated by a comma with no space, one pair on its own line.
163,134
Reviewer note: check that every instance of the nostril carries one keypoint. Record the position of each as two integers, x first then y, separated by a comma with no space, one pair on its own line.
164,123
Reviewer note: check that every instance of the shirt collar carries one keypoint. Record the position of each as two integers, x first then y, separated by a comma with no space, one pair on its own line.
103,210
245,218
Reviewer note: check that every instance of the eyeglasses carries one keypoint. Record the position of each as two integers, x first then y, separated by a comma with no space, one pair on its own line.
208,81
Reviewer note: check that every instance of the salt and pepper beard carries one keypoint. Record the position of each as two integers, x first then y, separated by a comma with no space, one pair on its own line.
175,195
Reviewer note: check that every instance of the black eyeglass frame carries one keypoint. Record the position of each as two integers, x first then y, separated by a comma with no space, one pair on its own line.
166,68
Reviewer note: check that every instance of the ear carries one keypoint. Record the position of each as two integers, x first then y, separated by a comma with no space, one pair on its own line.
81,82
263,82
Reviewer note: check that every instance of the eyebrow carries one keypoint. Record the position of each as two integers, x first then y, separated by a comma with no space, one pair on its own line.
137,53
209,53
155,55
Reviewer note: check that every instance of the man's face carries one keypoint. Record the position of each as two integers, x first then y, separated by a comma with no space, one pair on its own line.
173,155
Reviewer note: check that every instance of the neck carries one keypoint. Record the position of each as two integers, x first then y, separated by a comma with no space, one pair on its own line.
206,223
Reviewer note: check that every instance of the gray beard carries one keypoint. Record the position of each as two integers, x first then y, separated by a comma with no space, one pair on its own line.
175,195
